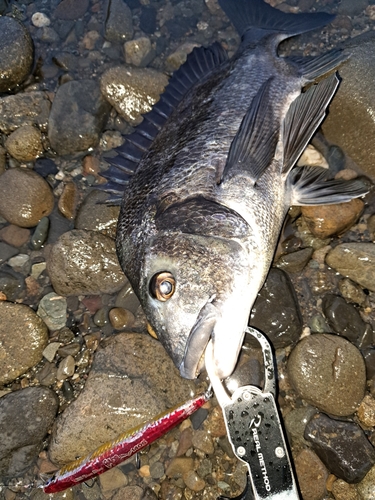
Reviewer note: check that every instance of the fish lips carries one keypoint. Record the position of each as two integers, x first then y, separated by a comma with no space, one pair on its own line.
197,341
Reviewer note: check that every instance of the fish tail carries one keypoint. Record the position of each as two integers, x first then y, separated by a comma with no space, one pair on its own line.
255,19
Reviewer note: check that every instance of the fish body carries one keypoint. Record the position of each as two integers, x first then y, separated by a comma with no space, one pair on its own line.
212,175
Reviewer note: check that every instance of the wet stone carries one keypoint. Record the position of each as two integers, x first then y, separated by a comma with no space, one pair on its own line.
30,108
121,318
179,466
366,411
130,493
202,441
295,262
193,481
101,317
343,318
45,167
276,310
139,52
22,437
25,197
344,491
127,299
84,262
342,446
11,285
24,348
295,424
68,200
40,20
16,53
69,350
14,235
366,488
71,10
112,480
157,470
352,292
355,261
7,252
95,216
132,91
119,22
77,117
198,418
65,368
67,390
328,372
40,234
185,442
25,143
50,351
47,375
312,475
147,20
20,263
52,309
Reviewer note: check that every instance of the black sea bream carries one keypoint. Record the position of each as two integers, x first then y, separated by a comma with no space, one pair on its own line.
209,176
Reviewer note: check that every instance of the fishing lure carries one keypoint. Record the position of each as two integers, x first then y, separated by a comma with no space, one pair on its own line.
126,445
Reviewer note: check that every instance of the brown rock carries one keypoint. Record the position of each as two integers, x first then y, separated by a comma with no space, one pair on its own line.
366,411
90,165
202,441
215,423
25,143
179,466
344,491
326,220
25,197
312,475
14,235
185,442
193,481
70,10
121,318
68,200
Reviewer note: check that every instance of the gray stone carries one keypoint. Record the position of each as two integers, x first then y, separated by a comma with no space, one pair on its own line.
25,418
295,424
328,372
366,488
52,309
84,262
276,310
355,261
342,446
95,216
77,117
23,337
352,292
16,53
29,108
10,284
132,379
295,262
6,252
139,52
119,22
350,8
40,234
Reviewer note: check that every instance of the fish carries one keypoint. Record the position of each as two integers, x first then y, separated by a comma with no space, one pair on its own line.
206,180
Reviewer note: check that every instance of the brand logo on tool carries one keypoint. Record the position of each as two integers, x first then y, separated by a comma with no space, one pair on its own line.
254,426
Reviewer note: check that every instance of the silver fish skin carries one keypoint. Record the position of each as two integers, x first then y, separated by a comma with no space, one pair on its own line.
201,215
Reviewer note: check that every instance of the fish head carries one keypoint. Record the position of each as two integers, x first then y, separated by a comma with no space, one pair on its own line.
194,285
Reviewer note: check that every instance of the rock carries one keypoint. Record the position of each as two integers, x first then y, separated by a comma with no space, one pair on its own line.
185,442
193,481
77,117
132,91
68,200
119,22
344,319
95,216
112,480
29,108
16,53
366,488
127,299
366,411
344,491
24,347
50,351
45,167
179,466
20,263
123,389
14,235
341,446
40,20
11,285
355,261
65,368
295,262
328,372
52,309
157,470
130,493
352,292
25,143
121,318
147,20
25,197
276,310
202,441
350,123
6,252
351,9
71,10
312,475
177,58
139,52
327,220
84,262
295,424
40,234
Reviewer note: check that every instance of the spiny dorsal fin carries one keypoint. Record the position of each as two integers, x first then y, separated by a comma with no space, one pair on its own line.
200,63
304,117
254,145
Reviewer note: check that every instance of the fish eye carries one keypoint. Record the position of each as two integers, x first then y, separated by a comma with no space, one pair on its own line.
162,286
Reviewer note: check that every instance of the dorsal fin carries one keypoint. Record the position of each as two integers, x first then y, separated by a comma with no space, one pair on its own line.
199,63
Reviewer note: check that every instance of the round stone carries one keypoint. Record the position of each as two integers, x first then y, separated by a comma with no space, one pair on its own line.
121,318
25,197
25,143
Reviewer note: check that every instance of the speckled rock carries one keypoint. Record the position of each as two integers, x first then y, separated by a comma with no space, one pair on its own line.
25,418
25,143
16,53
366,488
14,235
352,292
326,220
77,117
24,347
119,22
328,372
84,262
344,491
355,261
25,197
95,216
312,475
295,262
123,389
52,310
132,91
29,108
366,411
68,200
139,52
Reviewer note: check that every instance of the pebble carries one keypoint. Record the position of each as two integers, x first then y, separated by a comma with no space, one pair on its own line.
121,318
69,350
66,368
185,442
119,22
84,262
131,493
70,10
111,139
30,108
312,475
295,262
342,446
40,234
355,261
366,411
139,52
40,20
328,372
177,58
53,311
77,117
20,263
16,53
352,292
325,221
132,91
10,284
351,9
179,466
123,389
22,438
68,200
157,470
193,481
127,299
37,269
295,424
344,491
366,488
276,310
112,480
22,349
95,216
25,197
14,235
202,441
50,351
6,252
3,159
25,143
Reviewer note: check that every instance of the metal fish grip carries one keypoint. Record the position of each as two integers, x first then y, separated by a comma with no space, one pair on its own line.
255,431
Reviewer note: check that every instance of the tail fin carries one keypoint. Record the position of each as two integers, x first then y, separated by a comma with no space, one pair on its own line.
256,14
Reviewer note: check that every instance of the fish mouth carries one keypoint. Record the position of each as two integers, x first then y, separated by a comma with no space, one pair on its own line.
199,336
